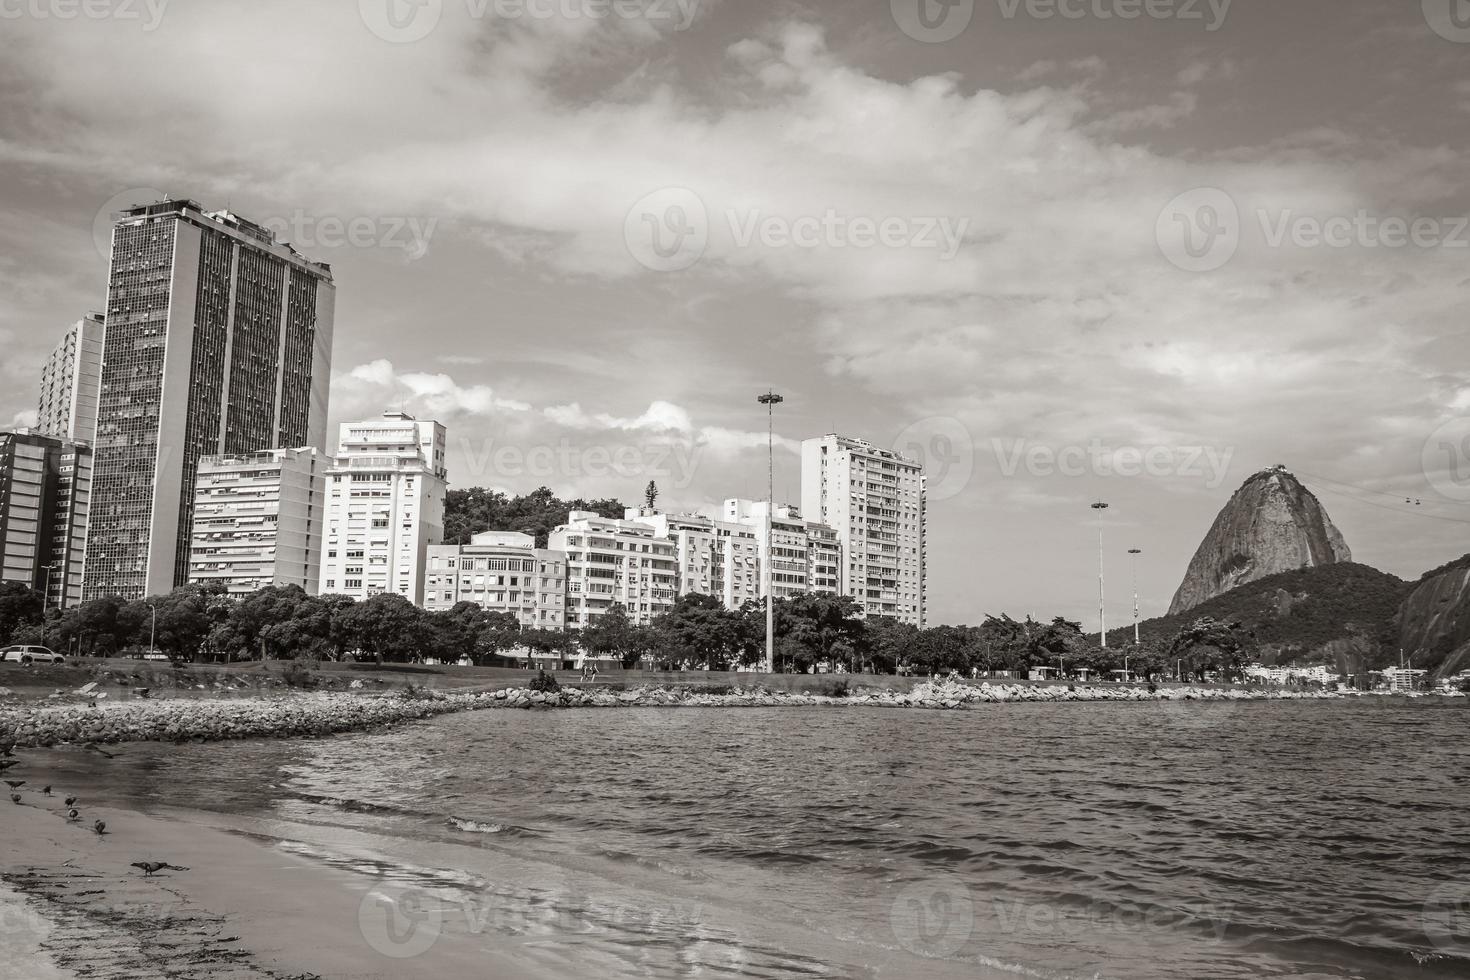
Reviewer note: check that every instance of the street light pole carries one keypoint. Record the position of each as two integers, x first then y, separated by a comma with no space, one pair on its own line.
153,628
1102,616
770,399
46,596
1135,552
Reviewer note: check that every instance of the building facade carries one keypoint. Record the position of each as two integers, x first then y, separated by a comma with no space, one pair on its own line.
500,571
258,520
71,380
874,499
44,494
615,561
385,507
787,548
715,558
218,340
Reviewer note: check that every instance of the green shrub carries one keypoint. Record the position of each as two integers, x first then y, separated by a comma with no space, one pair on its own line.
544,683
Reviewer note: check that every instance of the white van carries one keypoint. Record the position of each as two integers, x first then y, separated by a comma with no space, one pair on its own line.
28,655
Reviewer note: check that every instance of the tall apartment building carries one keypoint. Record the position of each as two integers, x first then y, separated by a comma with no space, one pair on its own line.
258,520
44,494
218,341
615,561
805,555
874,499
71,380
385,507
501,571
715,558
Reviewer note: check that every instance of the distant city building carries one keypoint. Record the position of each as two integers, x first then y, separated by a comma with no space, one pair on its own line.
218,340
616,561
258,520
500,571
874,499
44,493
385,507
715,558
790,549
70,382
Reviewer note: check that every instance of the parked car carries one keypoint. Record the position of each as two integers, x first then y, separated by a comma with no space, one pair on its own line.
28,654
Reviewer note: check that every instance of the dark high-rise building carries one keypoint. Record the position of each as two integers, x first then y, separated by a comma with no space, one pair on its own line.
43,513
218,341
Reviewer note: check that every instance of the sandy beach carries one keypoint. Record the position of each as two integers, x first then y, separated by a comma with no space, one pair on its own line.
71,905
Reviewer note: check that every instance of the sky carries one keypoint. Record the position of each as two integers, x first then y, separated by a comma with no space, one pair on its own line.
1064,251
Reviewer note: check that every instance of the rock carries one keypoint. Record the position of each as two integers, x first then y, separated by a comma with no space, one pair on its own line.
1271,524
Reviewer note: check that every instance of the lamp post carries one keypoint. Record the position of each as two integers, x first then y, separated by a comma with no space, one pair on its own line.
1102,617
1135,552
153,627
770,399
46,596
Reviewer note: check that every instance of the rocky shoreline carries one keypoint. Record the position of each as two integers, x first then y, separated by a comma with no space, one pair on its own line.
305,715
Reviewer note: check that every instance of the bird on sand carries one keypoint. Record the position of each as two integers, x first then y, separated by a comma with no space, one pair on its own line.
70,801
73,814
15,797
7,746
92,747
7,763
151,867
15,783
100,827
46,790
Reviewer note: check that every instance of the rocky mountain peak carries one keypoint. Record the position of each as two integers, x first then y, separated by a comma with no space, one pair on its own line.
1271,524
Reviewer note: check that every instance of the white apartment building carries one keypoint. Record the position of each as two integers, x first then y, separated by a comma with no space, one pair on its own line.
71,380
258,520
715,558
500,571
786,550
385,507
615,561
874,499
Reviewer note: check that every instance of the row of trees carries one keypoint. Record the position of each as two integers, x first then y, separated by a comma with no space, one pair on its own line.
812,632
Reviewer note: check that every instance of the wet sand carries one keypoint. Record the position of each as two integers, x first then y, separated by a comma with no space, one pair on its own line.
71,906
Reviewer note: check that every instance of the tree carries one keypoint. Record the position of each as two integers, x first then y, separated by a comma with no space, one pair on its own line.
698,632
468,512
613,635
1208,644
20,605
887,643
650,495
823,629
387,626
